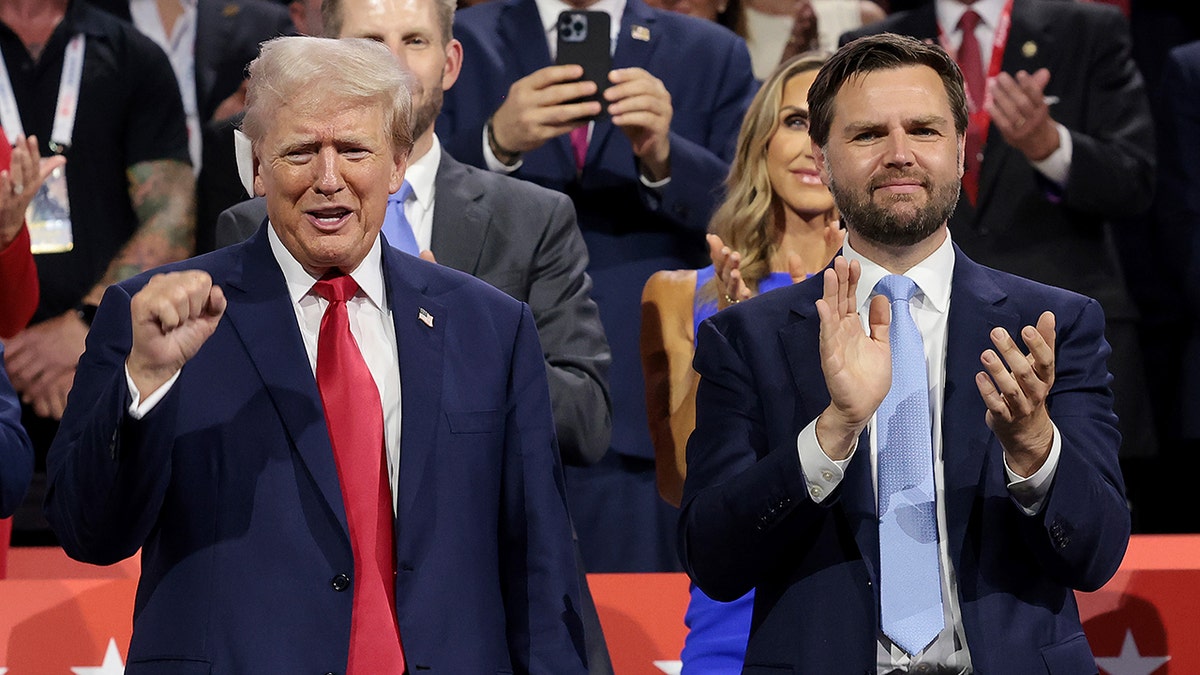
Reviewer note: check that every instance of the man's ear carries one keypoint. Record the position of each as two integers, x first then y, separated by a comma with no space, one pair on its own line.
819,159
400,165
454,60
962,156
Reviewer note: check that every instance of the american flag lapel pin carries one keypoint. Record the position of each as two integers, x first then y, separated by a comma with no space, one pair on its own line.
640,33
425,317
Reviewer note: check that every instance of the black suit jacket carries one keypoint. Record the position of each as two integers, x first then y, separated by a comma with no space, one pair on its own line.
522,239
1064,237
228,35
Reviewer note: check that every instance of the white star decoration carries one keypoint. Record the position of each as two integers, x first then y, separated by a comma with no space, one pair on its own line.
1130,661
111,666
668,667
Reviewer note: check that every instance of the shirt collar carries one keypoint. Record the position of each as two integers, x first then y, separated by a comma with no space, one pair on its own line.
949,13
368,275
549,10
932,276
422,171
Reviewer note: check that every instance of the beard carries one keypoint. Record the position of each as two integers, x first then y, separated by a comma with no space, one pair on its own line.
426,112
900,221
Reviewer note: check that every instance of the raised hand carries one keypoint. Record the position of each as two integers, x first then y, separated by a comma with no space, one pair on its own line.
1020,112
1014,387
857,364
20,182
731,288
537,109
640,106
172,317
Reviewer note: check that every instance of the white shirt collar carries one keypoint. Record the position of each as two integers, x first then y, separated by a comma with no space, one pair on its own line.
422,171
549,10
949,12
932,276
368,275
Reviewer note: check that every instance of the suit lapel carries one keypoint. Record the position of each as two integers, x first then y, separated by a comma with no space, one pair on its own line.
211,31
976,308
631,52
261,313
421,351
797,340
1028,38
459,222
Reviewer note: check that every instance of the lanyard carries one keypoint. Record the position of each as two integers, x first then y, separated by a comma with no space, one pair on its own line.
64,110
980,119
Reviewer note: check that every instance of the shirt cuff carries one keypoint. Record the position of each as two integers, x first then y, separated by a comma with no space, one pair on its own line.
1057,167
494,164
139,408
1030,493
822,475
653,184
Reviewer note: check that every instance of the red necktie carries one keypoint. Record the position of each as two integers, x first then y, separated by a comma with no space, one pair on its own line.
354,416
579,143
970,61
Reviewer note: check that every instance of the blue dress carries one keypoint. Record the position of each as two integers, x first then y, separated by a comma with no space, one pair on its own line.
718,631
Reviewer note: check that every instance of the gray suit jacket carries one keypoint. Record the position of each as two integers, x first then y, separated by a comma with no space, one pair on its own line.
522,239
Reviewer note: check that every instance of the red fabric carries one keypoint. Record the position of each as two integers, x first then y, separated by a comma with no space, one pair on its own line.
579,145
354,415
18,274
970,61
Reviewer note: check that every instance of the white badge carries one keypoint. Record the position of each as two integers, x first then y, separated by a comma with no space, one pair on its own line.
49,216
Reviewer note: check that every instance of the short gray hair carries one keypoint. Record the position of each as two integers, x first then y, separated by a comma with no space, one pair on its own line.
312,71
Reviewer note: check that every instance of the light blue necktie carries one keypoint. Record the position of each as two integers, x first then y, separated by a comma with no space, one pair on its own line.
910,588
395,224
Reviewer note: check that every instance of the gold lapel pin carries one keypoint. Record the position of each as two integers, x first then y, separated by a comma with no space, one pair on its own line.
230,10
640,33
1029,49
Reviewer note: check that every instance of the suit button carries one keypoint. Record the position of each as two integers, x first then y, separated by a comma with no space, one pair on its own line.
341,582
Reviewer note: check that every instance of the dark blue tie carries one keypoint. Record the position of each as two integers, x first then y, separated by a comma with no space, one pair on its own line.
910,589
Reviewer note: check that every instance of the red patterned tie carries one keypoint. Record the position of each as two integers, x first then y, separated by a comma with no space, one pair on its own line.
579,144
970,61
354,416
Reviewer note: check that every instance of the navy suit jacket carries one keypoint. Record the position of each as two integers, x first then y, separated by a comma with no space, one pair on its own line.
523,240
230,489
748,521
631,232
1065,237
16,452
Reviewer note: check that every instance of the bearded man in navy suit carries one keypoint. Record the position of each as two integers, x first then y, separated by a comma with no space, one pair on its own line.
1023,500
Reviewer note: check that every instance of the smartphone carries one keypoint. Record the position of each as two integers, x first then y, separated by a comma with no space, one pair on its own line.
585,38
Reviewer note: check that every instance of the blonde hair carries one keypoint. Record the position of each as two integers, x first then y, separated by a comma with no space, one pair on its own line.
745,220
308,72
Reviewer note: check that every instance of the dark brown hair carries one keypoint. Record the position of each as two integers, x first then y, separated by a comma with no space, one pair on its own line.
885,51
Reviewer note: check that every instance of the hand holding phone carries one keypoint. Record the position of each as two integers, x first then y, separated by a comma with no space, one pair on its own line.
585,39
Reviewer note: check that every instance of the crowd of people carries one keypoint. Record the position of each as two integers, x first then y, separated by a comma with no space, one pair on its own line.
686,366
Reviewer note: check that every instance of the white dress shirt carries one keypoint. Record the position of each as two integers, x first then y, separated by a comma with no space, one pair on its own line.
418,210
370,324
1057,166
180,47
930,308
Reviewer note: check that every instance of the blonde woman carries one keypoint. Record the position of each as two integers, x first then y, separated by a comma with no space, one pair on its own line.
776,226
